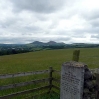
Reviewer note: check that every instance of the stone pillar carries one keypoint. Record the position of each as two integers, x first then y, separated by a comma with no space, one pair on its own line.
72,80
78,82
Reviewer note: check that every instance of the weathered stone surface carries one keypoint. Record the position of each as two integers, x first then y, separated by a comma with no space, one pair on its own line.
72,80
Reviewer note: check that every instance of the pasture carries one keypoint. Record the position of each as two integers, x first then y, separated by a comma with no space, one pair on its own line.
42,60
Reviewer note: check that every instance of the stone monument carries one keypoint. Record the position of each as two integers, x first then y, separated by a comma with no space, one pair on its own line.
72,80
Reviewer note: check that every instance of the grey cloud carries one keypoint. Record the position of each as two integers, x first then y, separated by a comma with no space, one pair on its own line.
12,40
93,30
57,39
95,36
40,6
21,40
63,39
41,17
53,25
8,23
79,31
14,26
62,32
90,15
33,29
95,22
89,30
18,40
78,35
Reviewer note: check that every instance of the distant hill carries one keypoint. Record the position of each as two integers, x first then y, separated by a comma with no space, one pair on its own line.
55,43
38,43
7,49
50,43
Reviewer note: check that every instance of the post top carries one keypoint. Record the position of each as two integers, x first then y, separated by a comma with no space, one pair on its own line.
74,64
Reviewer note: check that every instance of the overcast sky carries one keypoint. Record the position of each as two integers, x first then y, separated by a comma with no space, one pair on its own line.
68,21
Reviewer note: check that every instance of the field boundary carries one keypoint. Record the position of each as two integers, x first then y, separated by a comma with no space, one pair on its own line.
49,87
16,85
4,76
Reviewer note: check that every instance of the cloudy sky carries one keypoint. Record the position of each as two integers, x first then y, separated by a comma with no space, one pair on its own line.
69,21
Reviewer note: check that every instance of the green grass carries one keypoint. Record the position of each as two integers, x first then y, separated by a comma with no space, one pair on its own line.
50,96
42,60
34,61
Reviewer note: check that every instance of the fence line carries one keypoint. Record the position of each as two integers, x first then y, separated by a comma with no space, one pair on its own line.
4,76
49,79
23,92
58,88
24,83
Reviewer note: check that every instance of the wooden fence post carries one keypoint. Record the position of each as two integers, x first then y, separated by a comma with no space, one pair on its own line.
97,83
76,54
50,76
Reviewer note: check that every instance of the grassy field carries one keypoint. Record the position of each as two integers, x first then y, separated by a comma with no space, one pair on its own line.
42,60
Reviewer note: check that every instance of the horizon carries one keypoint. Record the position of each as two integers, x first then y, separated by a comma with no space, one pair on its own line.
47,42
